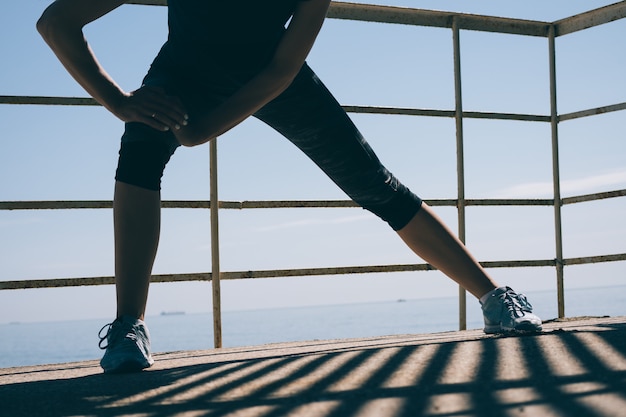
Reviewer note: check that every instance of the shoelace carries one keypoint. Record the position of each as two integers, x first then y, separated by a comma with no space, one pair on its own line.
516,303
104,338
110,328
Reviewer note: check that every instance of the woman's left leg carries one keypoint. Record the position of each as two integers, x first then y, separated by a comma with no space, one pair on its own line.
310,117
432,241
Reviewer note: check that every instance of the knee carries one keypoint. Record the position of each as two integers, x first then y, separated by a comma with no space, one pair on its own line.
388,199
142,163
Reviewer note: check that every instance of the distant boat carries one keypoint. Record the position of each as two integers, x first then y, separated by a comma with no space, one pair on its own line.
172,313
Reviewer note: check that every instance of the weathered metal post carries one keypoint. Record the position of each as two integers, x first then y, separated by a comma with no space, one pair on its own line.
460,158
215,247
556,177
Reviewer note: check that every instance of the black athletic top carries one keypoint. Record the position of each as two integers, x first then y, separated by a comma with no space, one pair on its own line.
228,32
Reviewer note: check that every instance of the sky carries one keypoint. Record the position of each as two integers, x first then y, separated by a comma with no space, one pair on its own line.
70,153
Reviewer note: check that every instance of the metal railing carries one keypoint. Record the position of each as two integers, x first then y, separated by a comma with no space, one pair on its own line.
390,15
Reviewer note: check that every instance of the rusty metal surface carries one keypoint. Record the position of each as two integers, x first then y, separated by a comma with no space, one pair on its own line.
592,112
594,197
591,18
270,204
432,18
49,101
302,272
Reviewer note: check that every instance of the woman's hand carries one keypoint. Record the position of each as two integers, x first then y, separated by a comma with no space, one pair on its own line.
61,25
152,106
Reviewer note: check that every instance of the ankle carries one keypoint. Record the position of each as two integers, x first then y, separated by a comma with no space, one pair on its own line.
483,299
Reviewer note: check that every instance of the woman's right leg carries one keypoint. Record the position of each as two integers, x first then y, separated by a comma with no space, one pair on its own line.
136,214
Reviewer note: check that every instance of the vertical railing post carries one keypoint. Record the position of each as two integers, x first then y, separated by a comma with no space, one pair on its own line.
556,178
460,159
215,246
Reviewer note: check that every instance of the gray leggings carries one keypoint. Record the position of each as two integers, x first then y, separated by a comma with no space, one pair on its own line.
308,115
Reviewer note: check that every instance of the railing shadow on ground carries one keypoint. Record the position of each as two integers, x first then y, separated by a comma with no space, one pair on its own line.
557,373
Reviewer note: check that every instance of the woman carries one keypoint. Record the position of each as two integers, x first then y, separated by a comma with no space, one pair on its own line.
222,62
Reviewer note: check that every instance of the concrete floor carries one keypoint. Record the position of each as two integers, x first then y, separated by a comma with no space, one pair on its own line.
576,367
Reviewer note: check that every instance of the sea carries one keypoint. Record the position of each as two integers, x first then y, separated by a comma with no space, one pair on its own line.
37,343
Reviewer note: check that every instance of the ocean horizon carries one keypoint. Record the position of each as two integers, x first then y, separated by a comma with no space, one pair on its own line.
38,343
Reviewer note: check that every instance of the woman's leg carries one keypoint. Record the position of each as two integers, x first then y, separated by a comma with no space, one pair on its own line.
136,213
431,240
308,115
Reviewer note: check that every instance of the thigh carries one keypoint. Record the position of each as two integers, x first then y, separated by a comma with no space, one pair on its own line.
310,117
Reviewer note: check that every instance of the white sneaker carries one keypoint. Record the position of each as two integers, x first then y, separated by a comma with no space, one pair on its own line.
127,346
506,311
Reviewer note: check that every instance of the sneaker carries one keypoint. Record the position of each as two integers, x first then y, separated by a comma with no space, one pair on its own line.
127,344
506,311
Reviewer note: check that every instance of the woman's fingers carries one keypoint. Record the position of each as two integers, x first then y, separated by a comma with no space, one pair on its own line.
154,107
166,121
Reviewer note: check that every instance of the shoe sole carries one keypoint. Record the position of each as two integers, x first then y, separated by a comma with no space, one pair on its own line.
128,366
523,328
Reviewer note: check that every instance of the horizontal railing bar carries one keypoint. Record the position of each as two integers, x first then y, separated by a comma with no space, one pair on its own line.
203,204
595,259
519,264
419,17
94,281
403,111
344,270
592,112
591,18
508,202
348,203
267,204
84,101
439,19
49,100
552,262
55,205
594,197
284,273
505,116
240,205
